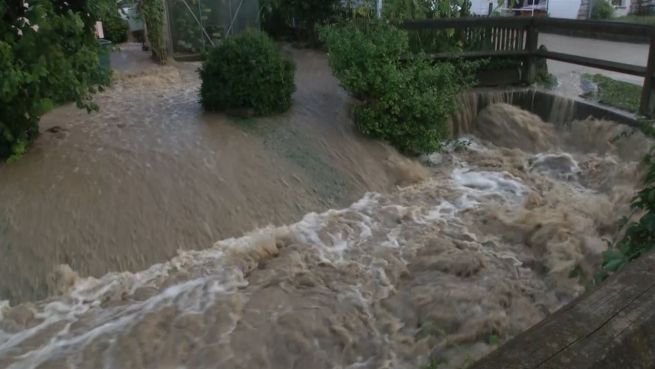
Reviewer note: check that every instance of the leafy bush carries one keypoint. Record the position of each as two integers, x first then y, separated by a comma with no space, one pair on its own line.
601,9
363,56
247,72
48,53
400,10
153,12
115,29
639,229
406,103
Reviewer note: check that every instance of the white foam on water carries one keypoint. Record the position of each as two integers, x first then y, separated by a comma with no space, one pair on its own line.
364,251
483,184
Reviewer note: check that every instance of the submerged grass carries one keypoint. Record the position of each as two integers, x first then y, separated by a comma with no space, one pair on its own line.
617,94
296,147
639,19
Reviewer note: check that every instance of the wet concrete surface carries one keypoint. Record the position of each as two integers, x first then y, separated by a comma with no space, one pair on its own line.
569,75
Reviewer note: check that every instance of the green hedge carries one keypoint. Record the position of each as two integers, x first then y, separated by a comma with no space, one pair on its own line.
602,9
247,72
115,29
405,102
48,53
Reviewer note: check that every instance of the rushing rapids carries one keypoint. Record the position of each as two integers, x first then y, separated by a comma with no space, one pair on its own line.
504,230
441,260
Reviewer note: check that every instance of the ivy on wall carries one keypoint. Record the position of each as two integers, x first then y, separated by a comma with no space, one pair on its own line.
153,12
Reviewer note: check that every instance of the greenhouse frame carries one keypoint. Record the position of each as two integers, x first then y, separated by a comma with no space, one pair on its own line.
196,25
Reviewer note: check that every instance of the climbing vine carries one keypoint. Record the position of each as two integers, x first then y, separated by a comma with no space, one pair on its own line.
153,12
639,228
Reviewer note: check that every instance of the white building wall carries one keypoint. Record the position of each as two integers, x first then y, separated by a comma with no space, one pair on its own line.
622,9
480,7
556,8
564,8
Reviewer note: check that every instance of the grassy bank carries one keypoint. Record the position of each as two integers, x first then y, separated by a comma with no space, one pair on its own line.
617,94
640,19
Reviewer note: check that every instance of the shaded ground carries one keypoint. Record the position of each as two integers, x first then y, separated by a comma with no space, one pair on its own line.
151,173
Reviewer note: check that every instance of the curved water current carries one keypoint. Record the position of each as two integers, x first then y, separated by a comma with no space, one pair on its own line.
443,259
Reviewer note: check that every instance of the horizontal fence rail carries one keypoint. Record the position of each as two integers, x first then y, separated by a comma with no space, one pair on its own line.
517,37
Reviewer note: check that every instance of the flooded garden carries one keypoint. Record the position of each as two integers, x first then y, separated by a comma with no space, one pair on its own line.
159,233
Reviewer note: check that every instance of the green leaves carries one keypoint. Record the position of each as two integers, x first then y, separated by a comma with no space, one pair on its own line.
247,72
153,12
115,28
639,229
404,100
52,59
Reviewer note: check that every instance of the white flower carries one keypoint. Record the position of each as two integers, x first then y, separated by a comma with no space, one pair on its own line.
19,31
26,5
35,28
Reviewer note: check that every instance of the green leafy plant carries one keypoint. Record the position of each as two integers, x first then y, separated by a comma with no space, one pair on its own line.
639,235
115,28
400,10
602,9
153,12
48,54
404,100
638,228
247,72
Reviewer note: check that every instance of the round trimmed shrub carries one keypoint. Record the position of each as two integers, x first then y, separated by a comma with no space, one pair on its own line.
247,72
602,9
404,101
115,29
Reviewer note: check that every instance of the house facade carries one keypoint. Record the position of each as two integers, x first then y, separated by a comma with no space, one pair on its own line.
573,8
556,8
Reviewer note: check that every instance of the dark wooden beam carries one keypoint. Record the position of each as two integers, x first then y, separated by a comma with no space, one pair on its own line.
478,54
546,24
647,106
469,22
609,327
595,63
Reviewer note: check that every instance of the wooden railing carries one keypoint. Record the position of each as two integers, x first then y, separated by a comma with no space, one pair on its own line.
518,37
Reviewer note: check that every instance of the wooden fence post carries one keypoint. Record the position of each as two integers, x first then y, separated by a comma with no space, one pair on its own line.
647,106
531,44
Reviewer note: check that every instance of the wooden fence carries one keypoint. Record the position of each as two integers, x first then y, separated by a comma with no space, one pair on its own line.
518,37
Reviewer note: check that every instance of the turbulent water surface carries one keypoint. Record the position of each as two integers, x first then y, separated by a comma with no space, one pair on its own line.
503,231
150,174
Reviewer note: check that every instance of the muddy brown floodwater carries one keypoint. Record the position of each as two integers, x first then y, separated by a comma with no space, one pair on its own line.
475,246
151,174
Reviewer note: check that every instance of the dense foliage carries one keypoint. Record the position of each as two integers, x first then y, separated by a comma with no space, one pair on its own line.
247,72
153,12
115,28
602,9
405,102
48,53
399,10
639,228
